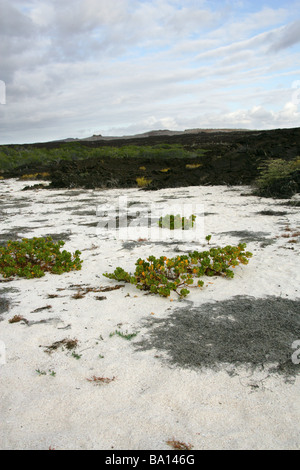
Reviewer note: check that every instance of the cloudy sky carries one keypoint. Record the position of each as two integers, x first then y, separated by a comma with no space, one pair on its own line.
74,68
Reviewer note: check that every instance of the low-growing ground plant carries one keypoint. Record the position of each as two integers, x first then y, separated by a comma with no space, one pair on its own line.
126,335
17,319
163,275
34,257
179,445
52,373
192,166
76,356
208,238
101,380
69,344
172,222
35,176
143,182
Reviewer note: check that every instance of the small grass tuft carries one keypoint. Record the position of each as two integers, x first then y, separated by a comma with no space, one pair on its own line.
126,335
192,166
143,182
67,343
17,319
179,445
101,380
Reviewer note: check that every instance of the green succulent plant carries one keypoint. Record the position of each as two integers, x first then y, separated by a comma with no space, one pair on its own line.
172,222
31,258
163,275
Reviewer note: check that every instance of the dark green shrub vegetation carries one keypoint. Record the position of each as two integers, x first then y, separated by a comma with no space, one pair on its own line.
176,222
278,178
34,257
12,157
163,275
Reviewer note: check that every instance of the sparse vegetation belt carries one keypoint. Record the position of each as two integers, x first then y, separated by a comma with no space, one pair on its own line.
157,162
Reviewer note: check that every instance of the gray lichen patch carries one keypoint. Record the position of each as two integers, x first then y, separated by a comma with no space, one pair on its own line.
246,236
241,331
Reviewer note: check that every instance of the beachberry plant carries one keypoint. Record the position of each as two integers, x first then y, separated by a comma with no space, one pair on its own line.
172,222
34,257
163,275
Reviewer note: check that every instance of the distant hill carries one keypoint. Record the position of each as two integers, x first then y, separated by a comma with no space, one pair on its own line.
155,133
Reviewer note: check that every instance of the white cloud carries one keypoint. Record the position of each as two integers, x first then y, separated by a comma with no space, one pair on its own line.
288,35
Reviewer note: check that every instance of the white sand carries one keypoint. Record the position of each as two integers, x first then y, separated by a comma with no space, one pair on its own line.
150,401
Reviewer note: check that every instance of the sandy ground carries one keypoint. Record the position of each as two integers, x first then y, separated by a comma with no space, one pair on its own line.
217,370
